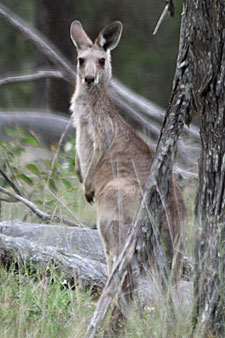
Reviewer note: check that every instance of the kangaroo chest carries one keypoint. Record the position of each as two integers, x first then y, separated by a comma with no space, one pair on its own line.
82,121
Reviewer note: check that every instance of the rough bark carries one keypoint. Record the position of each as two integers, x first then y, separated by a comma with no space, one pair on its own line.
75,253
206,22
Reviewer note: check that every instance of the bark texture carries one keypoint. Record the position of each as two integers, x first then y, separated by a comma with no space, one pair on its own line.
74,253
205,22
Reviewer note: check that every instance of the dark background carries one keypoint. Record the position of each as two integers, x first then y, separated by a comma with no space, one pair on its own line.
143,62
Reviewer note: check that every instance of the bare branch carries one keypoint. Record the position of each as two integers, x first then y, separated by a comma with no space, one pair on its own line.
40,74
10,182
40,41
168,8
8,200
171,7
161,19
44,216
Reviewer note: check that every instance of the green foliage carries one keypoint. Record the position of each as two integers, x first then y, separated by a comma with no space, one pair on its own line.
53,188
38,305
35,303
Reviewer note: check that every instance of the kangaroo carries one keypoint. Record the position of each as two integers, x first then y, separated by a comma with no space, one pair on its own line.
112,161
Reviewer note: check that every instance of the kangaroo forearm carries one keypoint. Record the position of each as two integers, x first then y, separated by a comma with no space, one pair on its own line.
78,169
98,153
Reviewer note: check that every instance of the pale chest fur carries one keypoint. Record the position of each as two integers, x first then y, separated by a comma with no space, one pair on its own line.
82,121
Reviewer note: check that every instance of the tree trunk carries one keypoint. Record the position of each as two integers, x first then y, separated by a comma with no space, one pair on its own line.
54,20
206,22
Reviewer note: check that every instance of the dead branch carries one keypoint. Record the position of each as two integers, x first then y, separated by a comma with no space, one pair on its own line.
10,182
46,126
40,74
42,215
40,41
8,200
161,19
168,8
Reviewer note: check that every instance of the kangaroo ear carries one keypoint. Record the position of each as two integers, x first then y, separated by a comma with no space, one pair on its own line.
109,37
78,36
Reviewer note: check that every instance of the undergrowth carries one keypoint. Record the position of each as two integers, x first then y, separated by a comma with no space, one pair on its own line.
33,304
53,188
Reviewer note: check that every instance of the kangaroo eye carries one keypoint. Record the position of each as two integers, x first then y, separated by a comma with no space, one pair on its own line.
102,61
81,61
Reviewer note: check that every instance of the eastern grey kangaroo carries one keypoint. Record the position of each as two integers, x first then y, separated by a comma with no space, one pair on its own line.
112,161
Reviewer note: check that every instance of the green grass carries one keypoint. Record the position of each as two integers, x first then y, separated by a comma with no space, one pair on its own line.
55,191
35,306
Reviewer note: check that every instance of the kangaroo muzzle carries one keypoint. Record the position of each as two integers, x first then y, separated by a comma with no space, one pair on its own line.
89,80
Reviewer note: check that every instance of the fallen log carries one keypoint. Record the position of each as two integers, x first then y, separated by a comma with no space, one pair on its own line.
75,253
75,240
47,127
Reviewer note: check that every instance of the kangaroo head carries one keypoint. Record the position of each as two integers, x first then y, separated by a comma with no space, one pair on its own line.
93,61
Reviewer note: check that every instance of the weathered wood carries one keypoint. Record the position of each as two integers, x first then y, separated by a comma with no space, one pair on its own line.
76,240
45,125
205,35
75,253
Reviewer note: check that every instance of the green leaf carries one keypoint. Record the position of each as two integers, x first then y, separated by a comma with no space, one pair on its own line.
51,203
52,184
26,179
20,131
67,183
10,132
30,140
38,202
33,168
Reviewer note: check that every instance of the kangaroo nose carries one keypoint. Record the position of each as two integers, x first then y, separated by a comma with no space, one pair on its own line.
89,79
